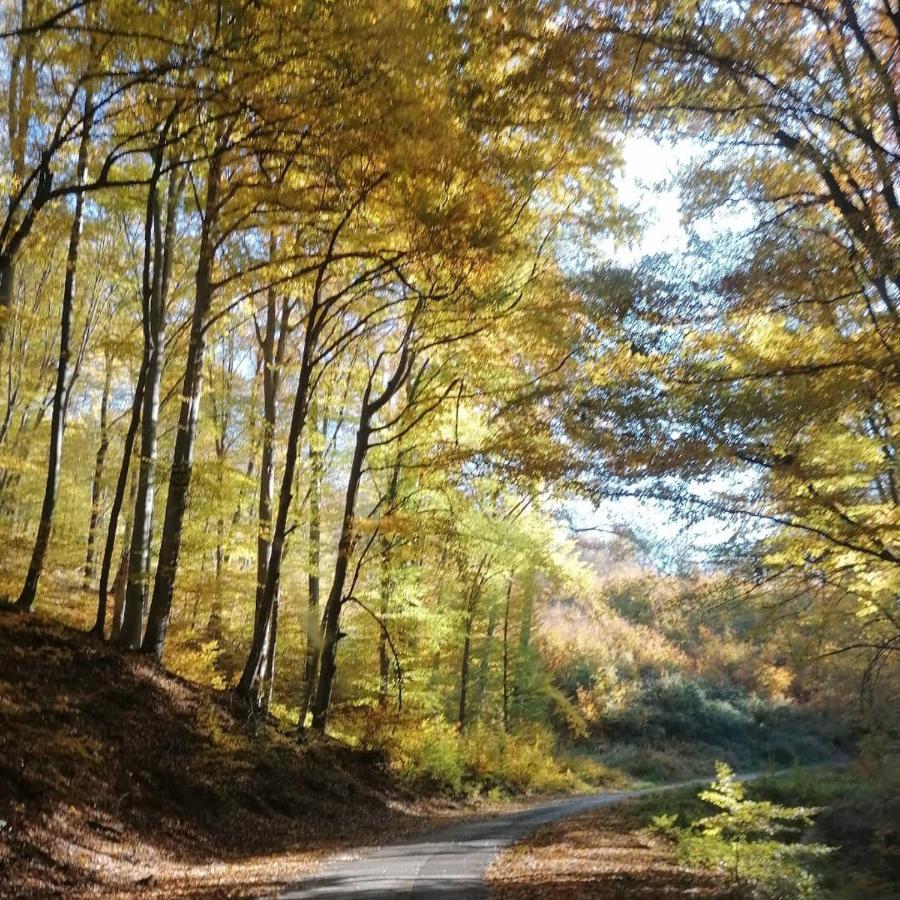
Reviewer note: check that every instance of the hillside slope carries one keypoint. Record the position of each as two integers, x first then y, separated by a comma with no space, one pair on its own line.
116,776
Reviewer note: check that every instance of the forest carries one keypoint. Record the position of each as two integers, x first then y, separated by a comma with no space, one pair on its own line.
359,440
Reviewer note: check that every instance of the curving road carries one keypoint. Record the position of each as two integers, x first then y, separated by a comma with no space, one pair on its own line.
450,863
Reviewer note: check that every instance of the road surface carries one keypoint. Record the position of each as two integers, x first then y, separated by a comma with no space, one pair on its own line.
445,865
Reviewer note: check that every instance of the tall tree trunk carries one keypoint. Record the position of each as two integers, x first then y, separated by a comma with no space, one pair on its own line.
116,508
484,664
270,386
316,467
386,586
464,667
523,659
469,611
265,622
268,679
138,570
183,456
97,480
506,606
7,296
384,663
120,581
331,618
58,417
20,93
248,685
150,220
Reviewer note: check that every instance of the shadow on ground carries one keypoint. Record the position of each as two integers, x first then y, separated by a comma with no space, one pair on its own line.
116,776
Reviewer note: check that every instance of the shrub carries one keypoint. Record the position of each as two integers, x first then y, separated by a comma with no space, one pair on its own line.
436,756
196,661
523,761
677,762
429,754
748,842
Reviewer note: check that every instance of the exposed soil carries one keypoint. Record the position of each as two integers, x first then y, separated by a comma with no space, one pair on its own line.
601,855
118,778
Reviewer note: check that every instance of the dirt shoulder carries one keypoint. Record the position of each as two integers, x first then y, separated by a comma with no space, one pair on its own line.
117,778
600,855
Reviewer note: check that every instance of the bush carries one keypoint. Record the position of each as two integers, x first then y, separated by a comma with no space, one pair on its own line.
747,842
436,756
428,754
861,812
196,661
515,763
678,762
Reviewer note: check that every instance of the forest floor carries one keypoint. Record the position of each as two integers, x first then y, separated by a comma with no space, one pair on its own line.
117,778
604,854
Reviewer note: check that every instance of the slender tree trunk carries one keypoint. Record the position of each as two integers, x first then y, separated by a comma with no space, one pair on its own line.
269,676
151,219
484,664
386,586
265,623
247,685
506,606
522,662
316,466
138,570
331,618
7,296
97,480
266,474
58,417
120,581
116,508
183,457
464,668
469,618
20,94
384,663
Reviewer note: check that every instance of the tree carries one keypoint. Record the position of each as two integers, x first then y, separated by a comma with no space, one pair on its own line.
154,334
60,398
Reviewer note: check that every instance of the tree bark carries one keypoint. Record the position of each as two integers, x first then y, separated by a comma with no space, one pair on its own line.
116,508
150,220
183,456
268,680
247,686
464,668
519,687
331,618
21,92
273,343
58,418
386,586
154,348
313,643
121,580
484,664
506,606
97,480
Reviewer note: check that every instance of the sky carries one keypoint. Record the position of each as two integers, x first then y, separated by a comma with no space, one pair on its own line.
645,184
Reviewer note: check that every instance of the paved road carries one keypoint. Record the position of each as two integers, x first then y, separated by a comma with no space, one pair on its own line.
446,864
